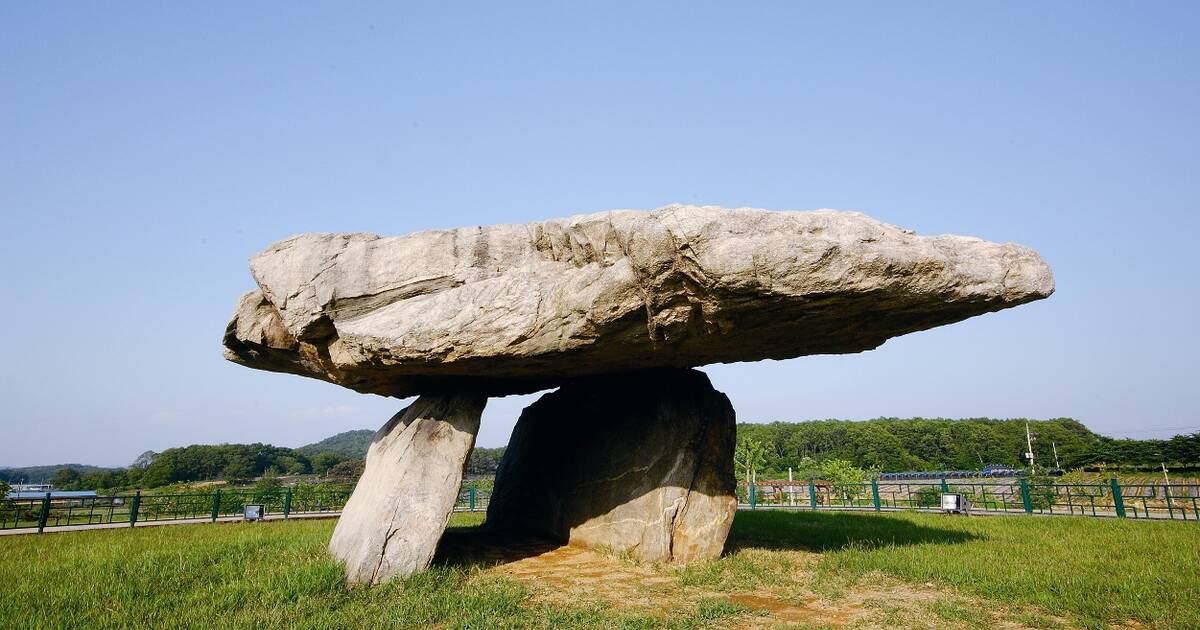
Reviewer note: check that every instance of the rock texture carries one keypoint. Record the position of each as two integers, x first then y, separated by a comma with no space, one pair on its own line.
392,523
639,462
516,308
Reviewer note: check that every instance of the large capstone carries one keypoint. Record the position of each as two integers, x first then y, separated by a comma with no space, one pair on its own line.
639,462
394,519
518,308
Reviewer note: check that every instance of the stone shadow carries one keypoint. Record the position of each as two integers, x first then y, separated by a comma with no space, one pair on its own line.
833,530
471,546
817,532
779,530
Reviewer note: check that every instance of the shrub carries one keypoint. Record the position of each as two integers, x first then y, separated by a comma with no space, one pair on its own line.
928,496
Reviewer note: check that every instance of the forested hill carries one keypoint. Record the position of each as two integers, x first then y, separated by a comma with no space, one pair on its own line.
887,444
894,444
43,474
348,444
354,444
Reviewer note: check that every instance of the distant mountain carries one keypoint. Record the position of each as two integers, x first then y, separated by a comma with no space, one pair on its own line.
43,474
144,460
350,444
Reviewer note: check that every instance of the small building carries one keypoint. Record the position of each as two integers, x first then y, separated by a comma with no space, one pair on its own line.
32,487
55,495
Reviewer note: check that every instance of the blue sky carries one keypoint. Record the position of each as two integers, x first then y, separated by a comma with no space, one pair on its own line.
147,150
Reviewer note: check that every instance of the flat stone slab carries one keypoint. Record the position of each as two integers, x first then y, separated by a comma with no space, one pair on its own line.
516,308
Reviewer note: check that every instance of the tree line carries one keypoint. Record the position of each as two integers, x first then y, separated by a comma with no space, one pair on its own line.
894,444
884,444
236,463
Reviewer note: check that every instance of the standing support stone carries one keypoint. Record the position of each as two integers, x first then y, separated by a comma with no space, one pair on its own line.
391,525
639,462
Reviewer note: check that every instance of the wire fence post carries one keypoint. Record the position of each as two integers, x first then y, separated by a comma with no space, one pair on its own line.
1025,498
1118,500
875,493
133,508
945,488
753,497
287,503
216,505
812,493
44,513
471,498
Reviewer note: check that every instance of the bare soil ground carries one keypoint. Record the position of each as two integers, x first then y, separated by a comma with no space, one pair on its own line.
779,588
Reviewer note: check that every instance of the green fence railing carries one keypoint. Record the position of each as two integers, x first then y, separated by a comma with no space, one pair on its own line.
47,511
1143,501
1111,499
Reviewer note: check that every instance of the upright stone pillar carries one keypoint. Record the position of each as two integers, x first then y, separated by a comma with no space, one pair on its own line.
393,521
637,461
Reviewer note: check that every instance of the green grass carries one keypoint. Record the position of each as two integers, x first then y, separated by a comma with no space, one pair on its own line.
274,574
1091,572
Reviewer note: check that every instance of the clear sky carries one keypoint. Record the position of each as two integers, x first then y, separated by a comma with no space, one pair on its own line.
148,150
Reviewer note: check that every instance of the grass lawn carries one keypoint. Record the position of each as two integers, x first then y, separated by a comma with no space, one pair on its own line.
782,570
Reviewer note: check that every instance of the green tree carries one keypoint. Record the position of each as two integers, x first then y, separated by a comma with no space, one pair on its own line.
847,479
65,479
322,462
238,471
348,471
105,480
896,444
749,455
807,468
269,481
267,487
928,496
484,461
875,447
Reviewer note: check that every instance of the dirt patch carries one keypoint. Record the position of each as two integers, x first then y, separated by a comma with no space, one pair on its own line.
571,574
565,575
770,610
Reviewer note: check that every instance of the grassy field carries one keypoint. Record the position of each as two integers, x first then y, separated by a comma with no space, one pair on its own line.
782,570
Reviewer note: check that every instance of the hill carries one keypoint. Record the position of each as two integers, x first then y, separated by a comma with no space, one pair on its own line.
348,444
895,444
43,474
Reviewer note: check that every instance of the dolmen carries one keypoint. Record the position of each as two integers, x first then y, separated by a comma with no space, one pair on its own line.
633,448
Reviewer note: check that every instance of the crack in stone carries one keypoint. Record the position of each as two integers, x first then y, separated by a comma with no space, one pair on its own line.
382,553
701,458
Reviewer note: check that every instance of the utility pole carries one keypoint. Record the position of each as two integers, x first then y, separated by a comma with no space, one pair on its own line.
791,488
1055,447
1029,453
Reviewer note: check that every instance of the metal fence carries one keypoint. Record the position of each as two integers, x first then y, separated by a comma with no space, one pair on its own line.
1144,501
1141,501
131,509
49,511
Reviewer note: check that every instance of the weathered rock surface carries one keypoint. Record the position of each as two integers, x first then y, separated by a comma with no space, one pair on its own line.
640,461
392,523
517,308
